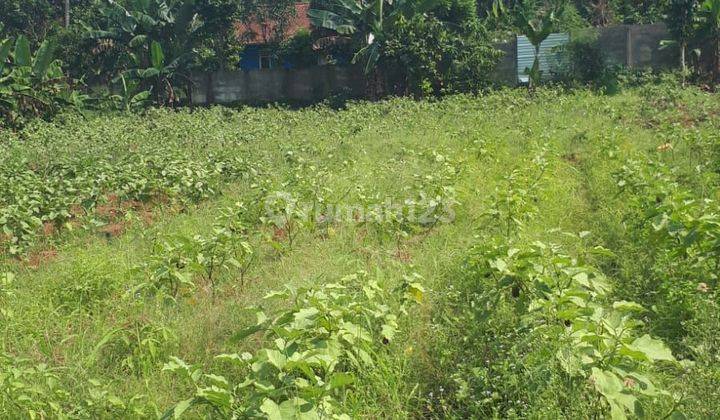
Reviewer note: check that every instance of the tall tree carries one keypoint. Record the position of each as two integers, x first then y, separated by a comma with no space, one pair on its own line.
67,13
709,30
680,20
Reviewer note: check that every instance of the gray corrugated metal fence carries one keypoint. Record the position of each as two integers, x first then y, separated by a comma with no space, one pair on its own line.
548,51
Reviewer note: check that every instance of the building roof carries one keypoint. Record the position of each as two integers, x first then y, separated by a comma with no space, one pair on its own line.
255,33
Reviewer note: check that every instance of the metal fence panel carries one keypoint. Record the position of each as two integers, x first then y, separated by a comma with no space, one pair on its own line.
526,54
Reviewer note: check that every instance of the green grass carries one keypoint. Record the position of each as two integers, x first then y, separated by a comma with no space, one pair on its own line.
77,313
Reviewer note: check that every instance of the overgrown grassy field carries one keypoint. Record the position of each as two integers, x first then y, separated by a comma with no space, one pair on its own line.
553,255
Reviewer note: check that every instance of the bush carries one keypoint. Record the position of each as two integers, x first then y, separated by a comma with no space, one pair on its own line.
581,61
424,56
298,52
32,85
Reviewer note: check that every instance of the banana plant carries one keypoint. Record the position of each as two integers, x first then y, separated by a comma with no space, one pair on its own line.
708,27
367,22
32,85
537,23
156,39
680,21
131,95
159,76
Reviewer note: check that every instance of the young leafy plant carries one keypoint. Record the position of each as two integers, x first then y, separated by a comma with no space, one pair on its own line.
313,353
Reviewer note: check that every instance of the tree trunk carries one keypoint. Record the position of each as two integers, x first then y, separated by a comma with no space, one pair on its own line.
67,13
683,64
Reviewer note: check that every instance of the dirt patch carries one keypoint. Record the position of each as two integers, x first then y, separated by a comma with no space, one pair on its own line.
49,229
279,234
403,256
36,259
113,230
572,158
147,217
108,212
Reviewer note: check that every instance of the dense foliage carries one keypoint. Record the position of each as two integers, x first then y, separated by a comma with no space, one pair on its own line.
32,84
425,55
406,47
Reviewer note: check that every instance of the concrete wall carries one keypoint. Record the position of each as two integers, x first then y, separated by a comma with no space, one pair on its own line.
635,46
645,47
505,73
277,85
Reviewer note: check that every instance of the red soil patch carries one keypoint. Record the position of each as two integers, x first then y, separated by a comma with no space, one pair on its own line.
403,256
113,230
109,212
113,212
279,234
49,229
36,259
76,211
147,217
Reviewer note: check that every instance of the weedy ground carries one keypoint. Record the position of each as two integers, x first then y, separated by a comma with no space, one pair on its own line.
133,241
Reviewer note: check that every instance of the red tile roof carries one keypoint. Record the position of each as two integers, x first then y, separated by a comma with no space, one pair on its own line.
262,33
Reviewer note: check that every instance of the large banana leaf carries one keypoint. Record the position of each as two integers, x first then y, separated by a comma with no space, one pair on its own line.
157,57
330,20
137,41
146,21
43,58
164,12
101,34
353,6
22,52
5,47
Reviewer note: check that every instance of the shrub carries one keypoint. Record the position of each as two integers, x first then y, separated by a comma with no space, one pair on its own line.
581,61
321,346
423,55
32,85
298,52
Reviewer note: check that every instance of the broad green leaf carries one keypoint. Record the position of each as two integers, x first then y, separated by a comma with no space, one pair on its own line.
499,265
217,396
606,383
148,72
417,291
157,57
137,41
246,332
298,408
569,361
271,409
304,317
276,358
276,295
179,409
341,380
627,306
388,331
43,58
653,349
142,96
22,52
5,48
